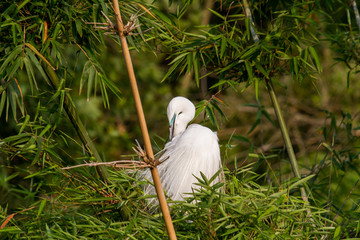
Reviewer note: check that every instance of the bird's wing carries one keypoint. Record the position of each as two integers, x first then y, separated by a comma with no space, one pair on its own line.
195,151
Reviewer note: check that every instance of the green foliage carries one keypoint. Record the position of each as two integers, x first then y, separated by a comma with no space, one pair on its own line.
49,54
342,32
88,208
226,50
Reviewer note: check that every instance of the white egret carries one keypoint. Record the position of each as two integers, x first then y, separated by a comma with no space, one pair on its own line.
190,150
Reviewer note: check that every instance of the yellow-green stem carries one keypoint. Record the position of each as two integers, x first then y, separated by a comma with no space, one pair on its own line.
285,135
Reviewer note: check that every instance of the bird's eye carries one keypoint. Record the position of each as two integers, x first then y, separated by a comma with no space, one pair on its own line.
179,113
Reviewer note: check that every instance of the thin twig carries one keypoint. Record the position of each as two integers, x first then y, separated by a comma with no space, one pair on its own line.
129,164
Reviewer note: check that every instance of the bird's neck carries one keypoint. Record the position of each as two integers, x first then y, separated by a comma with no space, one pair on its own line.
179,129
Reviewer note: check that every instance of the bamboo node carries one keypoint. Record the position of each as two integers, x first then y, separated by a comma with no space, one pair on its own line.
151,161
112,29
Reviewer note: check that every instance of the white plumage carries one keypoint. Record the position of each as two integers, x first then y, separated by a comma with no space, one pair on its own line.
190,150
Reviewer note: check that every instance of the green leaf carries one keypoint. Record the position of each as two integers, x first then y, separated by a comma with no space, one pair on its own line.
196,69
62,99
316,59
163,17
92,74
23,4
23,125
223,46
78,27
37,65
261,69
337,233
12,99
249,71
2,102
214,105
41,207
210,113
179,57
30,74
217,14
301,181
170,71
45,130
12,56
241,138
250,52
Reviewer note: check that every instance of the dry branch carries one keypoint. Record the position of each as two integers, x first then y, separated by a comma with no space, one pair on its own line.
128,164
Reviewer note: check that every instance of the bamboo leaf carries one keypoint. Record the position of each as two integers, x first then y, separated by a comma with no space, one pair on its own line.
78,27
251,51
179,58
2,102
39,54
12,99
12,56
223,46
38,66
301,181
92,74
62,100
196,69
45,130
214,105
249,71
316,59
23,4
41,207
23,125
30,74
170,71
200,107
217,14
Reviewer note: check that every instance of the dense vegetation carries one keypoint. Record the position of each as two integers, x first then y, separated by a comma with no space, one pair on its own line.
65,99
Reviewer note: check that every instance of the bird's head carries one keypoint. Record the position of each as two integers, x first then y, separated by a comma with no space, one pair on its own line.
180,112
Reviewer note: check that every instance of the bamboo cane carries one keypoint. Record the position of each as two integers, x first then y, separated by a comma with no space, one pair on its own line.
286,137
154,171
280,118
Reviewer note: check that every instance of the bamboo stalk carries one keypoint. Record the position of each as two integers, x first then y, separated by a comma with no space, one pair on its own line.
356,12
280,118
252,24
286,137
154,171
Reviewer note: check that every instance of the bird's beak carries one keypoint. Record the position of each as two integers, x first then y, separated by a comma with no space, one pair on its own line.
172,127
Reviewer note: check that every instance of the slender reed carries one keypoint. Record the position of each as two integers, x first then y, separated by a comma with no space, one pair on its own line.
281,121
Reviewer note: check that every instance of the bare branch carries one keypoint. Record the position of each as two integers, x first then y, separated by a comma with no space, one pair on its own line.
128,164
